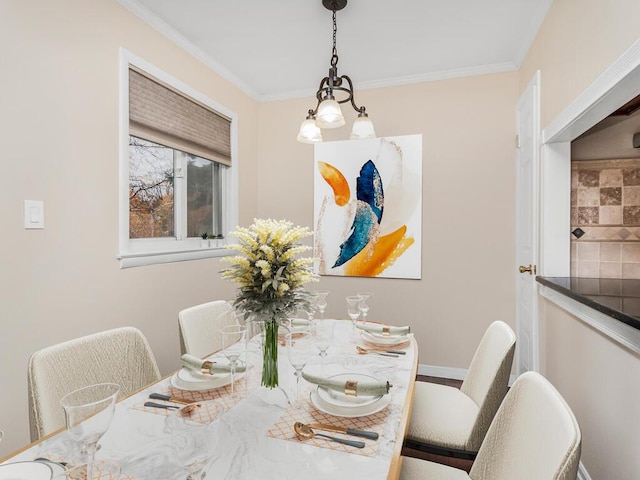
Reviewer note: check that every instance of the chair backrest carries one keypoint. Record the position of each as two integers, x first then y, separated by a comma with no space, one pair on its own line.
200,327
534,436
487,379
121,356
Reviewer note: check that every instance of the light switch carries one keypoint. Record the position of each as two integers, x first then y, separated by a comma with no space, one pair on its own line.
33,214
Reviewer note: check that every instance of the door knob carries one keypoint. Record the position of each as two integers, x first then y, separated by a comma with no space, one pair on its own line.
531,269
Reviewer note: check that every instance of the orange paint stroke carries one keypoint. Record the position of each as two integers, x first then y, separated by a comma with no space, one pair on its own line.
337,182
374,259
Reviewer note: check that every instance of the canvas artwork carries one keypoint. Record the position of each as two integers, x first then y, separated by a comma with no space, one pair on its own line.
368,207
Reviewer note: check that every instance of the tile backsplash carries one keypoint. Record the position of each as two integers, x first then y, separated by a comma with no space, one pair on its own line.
605,218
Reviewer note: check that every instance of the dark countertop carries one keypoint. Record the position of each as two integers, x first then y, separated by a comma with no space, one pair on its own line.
617,298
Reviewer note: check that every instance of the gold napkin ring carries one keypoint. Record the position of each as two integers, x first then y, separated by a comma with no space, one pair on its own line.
206,368
351,388
386,331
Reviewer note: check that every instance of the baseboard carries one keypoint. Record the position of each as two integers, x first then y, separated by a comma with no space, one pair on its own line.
582,472
448,372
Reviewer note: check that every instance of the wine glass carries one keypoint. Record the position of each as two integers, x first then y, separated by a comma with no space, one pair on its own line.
323,336
299,350
322,301
233,344
88,413
312,305
193,436
363,305
353,309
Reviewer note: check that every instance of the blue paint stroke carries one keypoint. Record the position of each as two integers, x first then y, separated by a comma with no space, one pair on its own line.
369,188
368,213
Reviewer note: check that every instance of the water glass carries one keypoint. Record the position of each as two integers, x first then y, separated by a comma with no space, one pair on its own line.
323,337
299,350
353,309
88,414
233,344
321,303
363,305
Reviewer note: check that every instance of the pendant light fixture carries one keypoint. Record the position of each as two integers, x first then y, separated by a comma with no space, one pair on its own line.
333,91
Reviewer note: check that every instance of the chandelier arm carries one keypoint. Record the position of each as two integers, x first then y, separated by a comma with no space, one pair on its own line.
351,96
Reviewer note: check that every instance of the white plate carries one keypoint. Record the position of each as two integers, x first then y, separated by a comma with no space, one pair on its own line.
187,379
26,471
379,339
340,400
370,409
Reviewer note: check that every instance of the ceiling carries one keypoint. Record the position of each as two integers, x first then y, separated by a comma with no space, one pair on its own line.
281,48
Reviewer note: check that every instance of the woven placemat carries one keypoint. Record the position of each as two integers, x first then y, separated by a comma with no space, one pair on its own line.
307,413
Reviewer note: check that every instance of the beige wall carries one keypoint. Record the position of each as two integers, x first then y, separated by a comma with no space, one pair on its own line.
468,205
601,382
59,119
578,40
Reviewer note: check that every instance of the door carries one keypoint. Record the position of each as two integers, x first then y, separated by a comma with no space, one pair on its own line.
527,148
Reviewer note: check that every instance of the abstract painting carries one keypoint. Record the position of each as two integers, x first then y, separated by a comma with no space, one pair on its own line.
368,207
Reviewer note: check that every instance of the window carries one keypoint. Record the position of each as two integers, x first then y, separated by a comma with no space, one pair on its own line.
176,171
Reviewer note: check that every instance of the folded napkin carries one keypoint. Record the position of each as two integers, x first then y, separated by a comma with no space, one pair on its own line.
349,387
384,329
207,366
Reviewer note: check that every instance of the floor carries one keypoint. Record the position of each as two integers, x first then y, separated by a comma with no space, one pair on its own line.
452,462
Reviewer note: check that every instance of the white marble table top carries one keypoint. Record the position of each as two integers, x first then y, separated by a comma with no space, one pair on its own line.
137,438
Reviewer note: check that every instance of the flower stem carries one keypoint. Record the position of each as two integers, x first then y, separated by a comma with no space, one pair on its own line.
270,355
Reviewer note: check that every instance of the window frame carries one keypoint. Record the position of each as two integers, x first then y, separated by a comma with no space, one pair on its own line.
151,251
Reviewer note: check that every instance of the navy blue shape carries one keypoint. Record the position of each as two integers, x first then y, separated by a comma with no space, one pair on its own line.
369,188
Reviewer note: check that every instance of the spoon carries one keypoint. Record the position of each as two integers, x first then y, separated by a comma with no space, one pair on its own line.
304,432
364,351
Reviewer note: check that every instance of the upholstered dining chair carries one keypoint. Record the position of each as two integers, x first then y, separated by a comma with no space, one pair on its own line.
453,422
200,326
121,356
534,436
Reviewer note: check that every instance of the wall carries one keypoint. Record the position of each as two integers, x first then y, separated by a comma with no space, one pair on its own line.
468,216
59,124
578,40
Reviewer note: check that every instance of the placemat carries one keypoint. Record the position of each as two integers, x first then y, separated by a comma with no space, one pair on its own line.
283,427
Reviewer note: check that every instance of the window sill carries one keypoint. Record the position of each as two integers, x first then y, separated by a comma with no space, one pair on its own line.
141,259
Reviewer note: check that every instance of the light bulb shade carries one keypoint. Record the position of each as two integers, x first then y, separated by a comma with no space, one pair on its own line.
362,128
309,132
329,114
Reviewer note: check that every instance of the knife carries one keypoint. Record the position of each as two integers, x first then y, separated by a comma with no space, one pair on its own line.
159,405
348,431
168,398
397,352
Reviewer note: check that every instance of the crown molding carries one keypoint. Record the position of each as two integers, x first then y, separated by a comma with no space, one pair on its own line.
176,37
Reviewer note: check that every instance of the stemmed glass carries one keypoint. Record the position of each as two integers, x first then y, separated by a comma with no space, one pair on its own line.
323,336
311,307
193,440
363,305
322,301
233,344
299,351
353,309
88,413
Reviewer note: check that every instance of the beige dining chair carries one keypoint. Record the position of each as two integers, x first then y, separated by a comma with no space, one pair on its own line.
534,436
200,327
453,422
121,356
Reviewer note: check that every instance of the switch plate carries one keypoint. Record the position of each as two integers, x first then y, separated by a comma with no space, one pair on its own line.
33,214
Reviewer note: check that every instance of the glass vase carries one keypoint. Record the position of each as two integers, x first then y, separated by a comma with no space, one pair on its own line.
270,354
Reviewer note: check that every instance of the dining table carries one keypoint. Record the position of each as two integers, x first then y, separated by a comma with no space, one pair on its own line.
256,439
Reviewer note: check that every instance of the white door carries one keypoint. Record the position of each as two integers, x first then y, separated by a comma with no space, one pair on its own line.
528,147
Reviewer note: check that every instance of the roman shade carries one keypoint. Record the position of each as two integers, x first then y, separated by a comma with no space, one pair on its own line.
162,115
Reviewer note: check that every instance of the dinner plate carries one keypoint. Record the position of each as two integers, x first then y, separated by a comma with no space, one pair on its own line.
350,412
26,471
187,379
340,400
379,339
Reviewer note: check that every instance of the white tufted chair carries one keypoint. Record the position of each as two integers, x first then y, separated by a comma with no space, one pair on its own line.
534,436
200,327
121,356
450,421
